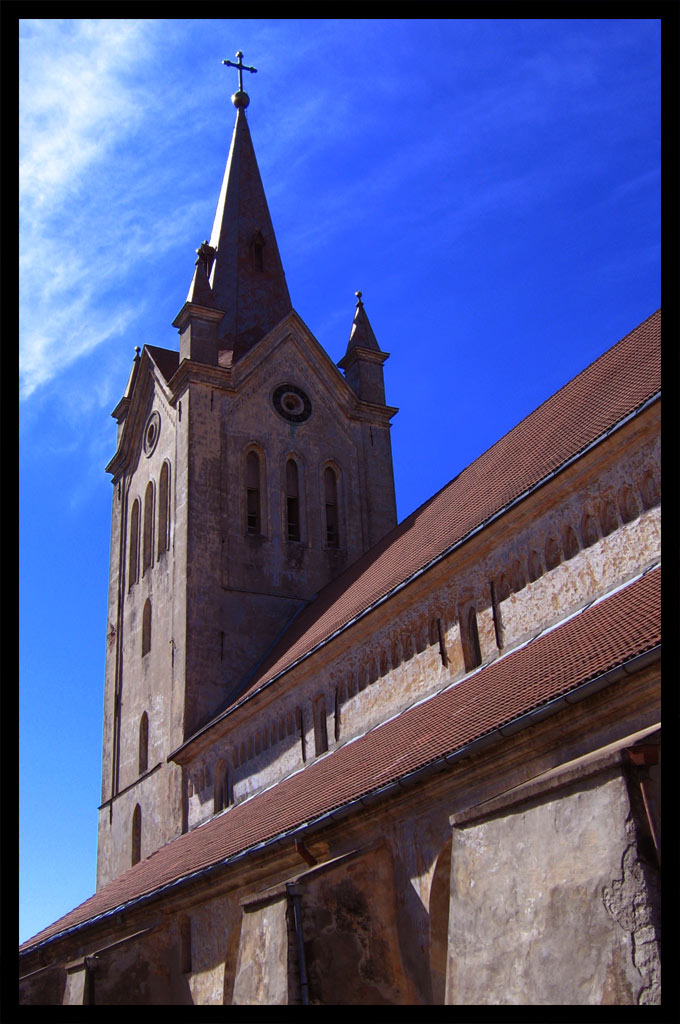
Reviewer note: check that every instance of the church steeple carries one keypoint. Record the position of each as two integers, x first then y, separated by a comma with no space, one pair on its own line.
242,266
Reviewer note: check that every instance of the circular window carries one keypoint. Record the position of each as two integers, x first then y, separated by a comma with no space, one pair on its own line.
151,432
292,403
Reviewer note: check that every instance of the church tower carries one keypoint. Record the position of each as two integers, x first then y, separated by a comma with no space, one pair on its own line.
248,473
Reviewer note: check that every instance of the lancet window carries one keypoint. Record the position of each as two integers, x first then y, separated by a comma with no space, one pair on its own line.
292,500
472,653
320,729
133,566
330,483
147,548
146,627
136,838
221,797
253,497
143,743
164,509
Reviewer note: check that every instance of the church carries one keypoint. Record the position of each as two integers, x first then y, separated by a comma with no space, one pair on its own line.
348,760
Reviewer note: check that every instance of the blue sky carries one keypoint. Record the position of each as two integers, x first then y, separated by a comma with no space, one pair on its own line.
492,187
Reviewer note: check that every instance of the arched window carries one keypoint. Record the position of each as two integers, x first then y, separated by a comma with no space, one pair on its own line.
164,509
253,512
330,485
650,492
535,568
570,542
136,851
469,634
628,509
133,571
300,729
320,730
589,531
552,553
147,548
146,627
221,796
143,743
504,588
518,578
292,500
609,520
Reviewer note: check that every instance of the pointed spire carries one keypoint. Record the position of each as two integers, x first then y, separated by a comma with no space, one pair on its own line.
361,335
239,272
247,277
363,360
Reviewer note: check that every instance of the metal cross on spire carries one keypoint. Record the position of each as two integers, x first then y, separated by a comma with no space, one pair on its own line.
240,98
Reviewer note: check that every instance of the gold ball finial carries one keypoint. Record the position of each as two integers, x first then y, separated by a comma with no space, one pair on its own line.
358,295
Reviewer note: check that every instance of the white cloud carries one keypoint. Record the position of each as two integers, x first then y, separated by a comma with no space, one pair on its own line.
80,97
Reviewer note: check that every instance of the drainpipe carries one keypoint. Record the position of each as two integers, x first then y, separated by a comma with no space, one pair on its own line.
294,895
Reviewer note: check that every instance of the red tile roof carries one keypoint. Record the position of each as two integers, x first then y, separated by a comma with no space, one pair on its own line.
603,636
604,393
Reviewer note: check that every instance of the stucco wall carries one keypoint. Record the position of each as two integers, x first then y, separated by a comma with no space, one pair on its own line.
550,904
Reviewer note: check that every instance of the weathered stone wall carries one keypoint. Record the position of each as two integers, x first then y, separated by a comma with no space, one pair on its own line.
349,921
143,972
551,903
262,971
44,988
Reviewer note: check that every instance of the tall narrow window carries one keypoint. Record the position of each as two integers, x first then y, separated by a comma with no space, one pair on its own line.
552,553
608,518
221,788
472,654
330,485
133,571
589,531
320,731
570,543
147,548
627,505
650,491
143,743
136,851
292,500
164,509
253,516
535,567
146,627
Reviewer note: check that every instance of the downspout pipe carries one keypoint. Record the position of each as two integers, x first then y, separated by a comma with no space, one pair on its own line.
294,896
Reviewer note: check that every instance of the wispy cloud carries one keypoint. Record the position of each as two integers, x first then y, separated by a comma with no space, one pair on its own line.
80,99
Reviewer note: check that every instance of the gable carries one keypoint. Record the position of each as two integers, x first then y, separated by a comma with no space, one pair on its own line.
150,383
